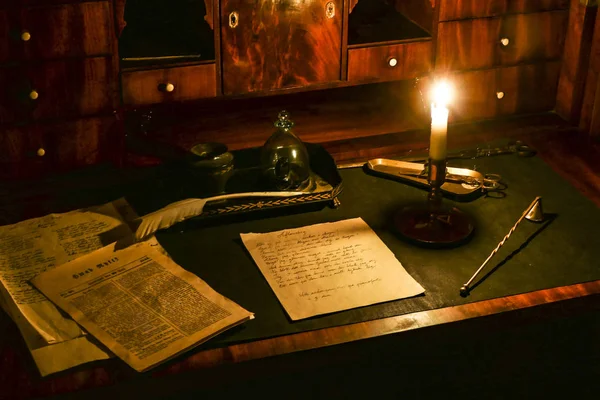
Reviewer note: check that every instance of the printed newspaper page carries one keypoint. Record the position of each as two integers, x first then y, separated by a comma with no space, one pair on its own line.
329,267
139,303
31,247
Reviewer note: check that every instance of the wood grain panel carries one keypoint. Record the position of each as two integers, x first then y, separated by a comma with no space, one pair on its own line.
46,2
525,89
419,11
119,10
64,89
319,116
477,43
15,103
279,45
72,87
460,9
69,30
189,83
590,110
578,44
372,64
41,149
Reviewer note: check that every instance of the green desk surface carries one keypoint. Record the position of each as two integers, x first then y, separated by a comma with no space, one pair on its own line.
558,252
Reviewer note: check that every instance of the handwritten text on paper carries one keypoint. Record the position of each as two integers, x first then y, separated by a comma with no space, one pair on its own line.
329,267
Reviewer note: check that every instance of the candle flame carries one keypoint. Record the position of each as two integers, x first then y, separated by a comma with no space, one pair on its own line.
441,93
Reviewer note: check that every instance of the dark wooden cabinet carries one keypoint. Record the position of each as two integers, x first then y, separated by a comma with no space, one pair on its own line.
270,45
58,69
62,60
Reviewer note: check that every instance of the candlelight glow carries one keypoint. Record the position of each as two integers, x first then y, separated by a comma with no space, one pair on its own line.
441,94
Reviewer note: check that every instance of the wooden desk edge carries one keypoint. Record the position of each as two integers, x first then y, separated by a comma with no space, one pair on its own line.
386,326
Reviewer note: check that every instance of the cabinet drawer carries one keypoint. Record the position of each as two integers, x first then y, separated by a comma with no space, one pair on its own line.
169,84
57,89
38,149
462,9
505,91
509,40
70,30
387,63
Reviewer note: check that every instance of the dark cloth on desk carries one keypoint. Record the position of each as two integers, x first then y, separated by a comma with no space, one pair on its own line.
559,252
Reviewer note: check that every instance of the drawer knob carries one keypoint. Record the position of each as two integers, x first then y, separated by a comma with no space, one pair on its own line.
41,152
25,36
392,62
166,87
505,42
500,95
33,95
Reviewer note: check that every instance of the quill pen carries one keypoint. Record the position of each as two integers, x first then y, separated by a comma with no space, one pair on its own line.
189,208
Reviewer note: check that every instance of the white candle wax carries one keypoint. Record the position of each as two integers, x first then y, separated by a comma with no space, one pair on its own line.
439,130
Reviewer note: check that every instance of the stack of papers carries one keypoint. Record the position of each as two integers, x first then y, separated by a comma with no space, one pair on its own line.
136,301
80,289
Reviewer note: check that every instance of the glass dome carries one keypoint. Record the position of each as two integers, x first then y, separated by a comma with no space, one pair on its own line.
284,158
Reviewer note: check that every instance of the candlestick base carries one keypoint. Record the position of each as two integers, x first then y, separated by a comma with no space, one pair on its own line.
440,227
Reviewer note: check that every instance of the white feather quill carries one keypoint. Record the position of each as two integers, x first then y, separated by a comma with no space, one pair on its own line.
189,208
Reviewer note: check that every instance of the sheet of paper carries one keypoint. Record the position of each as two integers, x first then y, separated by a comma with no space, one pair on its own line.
139,303
52,358
329,267
39,244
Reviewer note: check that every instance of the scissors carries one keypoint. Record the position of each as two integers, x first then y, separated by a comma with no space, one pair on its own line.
517,147
488,182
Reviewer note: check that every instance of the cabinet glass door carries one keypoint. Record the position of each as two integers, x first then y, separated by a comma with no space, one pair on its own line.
275,44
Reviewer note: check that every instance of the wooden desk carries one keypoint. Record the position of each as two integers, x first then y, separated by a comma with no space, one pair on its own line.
542,342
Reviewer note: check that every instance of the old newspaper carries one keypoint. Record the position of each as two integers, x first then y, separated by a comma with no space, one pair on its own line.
139,303
329,267
36,245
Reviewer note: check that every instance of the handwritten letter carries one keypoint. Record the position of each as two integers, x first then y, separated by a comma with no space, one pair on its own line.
329,267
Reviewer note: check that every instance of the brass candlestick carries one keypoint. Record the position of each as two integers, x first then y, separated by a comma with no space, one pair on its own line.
436,175
434,224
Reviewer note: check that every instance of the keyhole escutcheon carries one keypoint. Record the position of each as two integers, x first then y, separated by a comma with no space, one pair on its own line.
234,19
330,9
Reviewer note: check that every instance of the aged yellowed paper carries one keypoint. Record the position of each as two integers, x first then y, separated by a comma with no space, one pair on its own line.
139,303
329,267
36,245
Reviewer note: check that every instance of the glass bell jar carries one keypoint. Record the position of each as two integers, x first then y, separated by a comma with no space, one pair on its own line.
284,158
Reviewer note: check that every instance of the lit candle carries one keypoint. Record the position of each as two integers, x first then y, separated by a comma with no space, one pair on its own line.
439,122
